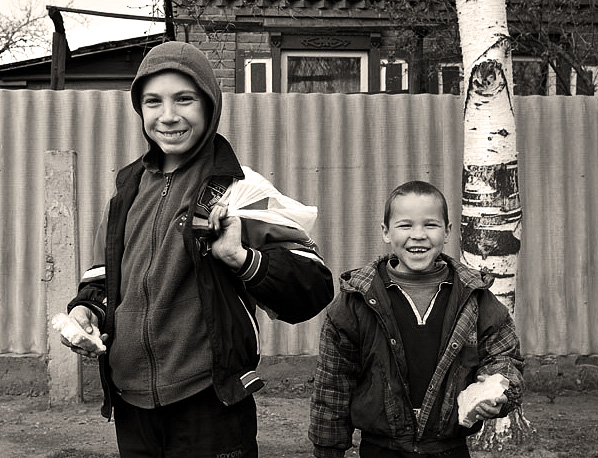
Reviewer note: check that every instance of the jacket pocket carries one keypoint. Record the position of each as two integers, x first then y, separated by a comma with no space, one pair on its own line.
375,407
459,379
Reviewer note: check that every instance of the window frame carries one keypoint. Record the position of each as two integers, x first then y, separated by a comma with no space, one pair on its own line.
444,65
286,53
247,61
404,73
550,77
573,80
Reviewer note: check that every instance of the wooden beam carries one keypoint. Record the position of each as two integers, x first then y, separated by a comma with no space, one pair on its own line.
60,50
58,67
374,63
123,16
209,25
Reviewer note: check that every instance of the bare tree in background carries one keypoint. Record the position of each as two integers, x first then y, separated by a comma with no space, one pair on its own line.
560,34
24,30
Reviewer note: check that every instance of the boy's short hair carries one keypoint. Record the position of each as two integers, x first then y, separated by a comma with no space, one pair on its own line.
419,188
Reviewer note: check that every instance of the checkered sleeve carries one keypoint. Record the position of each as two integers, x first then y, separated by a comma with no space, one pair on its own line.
500,353
330,427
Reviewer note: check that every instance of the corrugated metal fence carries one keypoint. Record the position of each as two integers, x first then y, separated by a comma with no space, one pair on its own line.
343,153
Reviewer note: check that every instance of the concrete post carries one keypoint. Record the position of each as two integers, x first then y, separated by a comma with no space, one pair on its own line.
62,271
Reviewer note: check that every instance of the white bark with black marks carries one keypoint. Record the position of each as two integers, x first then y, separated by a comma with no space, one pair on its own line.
491,213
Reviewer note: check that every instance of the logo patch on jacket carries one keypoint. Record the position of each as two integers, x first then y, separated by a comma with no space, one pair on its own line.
210,195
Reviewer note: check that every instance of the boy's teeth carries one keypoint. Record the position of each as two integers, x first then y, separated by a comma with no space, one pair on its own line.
172,134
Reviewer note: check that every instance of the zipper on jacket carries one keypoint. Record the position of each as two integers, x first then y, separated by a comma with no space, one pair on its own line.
420,429
402,381
166,185
153,244
387,333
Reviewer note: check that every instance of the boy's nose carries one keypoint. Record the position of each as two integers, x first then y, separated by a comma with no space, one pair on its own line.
418,233
169,113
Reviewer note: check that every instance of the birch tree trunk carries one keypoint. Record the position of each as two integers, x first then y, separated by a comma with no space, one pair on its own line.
491,213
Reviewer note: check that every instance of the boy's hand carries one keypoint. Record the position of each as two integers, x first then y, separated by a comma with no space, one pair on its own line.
482,400
490,409
227,247
86,318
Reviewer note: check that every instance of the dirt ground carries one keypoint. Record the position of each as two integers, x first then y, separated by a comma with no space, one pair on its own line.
566,426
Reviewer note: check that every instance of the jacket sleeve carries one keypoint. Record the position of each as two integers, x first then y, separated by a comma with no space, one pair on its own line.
500,349
330,428
92,292
290,281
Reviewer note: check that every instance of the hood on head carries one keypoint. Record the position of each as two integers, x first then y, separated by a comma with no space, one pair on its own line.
189,60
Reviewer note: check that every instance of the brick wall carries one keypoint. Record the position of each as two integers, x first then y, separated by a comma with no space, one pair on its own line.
221,47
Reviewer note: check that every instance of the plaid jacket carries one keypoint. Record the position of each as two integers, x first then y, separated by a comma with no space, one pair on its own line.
360,379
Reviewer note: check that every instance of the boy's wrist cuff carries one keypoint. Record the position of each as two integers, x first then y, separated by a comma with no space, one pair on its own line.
251,265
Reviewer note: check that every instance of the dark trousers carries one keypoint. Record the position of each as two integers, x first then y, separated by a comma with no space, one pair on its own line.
368,450
197,427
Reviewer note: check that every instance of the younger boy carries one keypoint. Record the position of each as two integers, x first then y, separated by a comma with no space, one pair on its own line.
407,333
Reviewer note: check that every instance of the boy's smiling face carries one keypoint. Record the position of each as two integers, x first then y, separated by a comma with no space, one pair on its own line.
416,231
175,114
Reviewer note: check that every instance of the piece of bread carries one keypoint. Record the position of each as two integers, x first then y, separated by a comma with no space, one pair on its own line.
76,335
487,391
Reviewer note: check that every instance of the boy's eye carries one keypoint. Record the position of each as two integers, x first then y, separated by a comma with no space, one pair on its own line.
185,99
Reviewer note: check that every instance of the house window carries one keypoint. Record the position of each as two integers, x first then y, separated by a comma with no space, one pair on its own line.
578,87
258,75
450,79
324,71
394,76
532,77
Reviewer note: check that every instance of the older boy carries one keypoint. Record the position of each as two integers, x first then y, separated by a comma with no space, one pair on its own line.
404,337
178,319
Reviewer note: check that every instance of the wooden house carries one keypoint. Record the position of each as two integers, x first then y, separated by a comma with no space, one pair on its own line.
347,46
103,66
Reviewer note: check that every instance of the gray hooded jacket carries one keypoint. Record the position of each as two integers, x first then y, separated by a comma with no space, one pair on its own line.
179,320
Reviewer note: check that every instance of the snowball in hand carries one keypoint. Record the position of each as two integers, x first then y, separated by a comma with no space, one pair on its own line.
76,335
487,391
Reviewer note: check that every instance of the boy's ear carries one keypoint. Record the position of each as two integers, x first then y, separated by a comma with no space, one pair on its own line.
385,236
447,233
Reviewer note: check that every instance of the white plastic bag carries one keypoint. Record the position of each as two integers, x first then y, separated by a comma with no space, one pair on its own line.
256,198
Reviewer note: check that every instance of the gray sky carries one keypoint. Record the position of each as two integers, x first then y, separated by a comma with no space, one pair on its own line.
100,29
97,29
